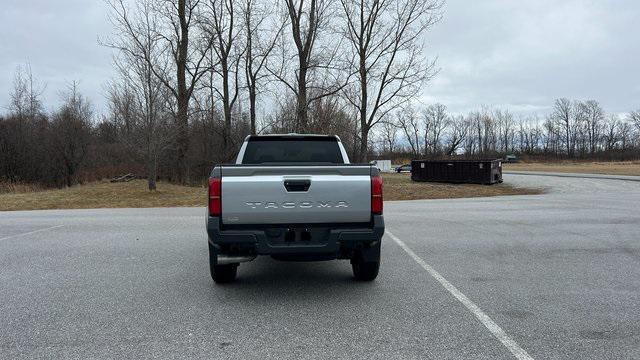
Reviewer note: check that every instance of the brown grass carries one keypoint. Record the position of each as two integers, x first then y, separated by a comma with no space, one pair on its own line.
16,188
106,195
610,168
400,187
134,194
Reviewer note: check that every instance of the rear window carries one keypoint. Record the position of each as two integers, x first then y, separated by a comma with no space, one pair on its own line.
279,150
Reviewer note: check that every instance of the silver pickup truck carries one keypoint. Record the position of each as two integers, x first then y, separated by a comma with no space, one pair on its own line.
296,198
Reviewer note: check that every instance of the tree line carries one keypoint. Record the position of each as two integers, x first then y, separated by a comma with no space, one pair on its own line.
194,77
45,148
72,144
571,130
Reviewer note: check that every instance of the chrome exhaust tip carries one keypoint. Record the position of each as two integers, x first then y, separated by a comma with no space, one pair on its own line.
226,260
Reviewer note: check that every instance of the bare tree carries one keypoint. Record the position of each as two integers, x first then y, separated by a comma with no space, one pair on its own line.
458,134
410,124
563,115
625,130
25,111
175,22
389,135
489,136
610,135
634,117
26,94
469,143
304,36
220,22
122,107
578,129
476,142
505,124
551,141
436,120
71,127
141,99
530,135
319,69
385,38
261,36
593,117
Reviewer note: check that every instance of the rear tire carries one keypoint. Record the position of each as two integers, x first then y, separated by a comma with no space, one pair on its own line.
367,270
224,274
221,274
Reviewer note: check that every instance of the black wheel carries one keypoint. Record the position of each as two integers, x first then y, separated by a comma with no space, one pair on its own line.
221,274
365,271
366,265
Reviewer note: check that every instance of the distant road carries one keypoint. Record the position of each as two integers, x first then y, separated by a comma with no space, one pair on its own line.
575,175
552,276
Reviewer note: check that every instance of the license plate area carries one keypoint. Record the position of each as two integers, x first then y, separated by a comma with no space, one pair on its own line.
297,236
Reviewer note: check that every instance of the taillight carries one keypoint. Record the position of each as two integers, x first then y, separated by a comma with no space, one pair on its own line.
376,195
215,196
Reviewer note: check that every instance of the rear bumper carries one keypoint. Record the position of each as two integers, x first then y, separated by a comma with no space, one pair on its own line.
321,241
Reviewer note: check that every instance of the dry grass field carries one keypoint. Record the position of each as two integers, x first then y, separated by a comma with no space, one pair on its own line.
134,194
609,168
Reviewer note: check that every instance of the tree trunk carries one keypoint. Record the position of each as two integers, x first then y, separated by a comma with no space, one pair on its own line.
301,112
354,149
566,137
426,144
226,104
364,142
364,98
252,108
69,177
183,95
182,141
152,171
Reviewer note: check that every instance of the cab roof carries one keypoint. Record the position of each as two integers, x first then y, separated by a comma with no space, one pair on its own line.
292,136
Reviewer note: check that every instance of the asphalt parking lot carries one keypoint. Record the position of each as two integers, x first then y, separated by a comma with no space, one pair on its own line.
553,276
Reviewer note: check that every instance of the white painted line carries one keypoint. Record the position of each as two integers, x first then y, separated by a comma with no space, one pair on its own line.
31,232
496,330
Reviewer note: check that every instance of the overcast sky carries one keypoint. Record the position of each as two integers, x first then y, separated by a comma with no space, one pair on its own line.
519,55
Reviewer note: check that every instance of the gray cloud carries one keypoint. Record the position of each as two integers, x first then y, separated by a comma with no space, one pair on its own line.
524,54
503,53
59,39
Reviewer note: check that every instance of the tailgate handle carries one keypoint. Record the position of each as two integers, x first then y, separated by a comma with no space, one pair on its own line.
297,185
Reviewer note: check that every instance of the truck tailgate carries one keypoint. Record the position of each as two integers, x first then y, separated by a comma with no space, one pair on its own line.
296,194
